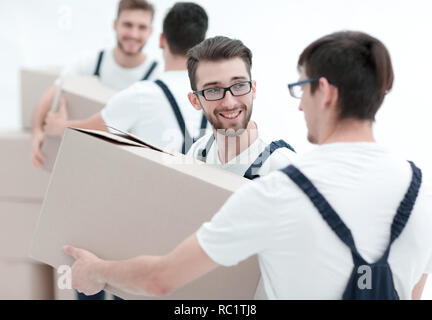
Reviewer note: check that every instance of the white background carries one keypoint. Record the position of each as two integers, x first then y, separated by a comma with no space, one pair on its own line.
52,32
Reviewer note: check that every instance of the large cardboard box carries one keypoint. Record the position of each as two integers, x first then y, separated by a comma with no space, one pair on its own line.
85,96
119,199
19,180
34,83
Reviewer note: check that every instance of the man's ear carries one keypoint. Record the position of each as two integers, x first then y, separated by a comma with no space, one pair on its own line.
193,99
253,89
115,25
162,41
329,93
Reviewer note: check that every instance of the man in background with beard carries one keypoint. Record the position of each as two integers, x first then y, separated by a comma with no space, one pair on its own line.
116,68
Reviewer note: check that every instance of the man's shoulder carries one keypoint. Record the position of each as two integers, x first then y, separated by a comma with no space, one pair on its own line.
145,89
84,63
199,145
142,93
279,159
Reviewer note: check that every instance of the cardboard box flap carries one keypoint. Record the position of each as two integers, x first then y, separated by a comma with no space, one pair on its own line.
120,138
137,139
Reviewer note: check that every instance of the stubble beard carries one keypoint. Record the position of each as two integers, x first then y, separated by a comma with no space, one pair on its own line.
231,132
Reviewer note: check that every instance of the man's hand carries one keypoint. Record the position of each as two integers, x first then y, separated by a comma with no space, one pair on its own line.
85,277
37,157
56,123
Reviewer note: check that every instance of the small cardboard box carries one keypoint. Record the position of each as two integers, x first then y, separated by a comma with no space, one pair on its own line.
119,199
19,180
85,96
34,83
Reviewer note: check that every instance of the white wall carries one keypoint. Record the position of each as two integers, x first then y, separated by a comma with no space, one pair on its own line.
51,32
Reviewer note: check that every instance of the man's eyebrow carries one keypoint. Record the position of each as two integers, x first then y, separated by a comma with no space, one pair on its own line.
211,84
238,78
214,83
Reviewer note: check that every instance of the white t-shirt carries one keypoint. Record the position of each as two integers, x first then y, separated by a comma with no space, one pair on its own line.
300,257
112,75
144,110
277,160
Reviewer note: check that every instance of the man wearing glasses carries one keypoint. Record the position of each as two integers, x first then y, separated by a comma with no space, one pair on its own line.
220,75
234,144
313,223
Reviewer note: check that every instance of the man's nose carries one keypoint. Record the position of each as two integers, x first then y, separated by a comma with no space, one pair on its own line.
134,32
229,99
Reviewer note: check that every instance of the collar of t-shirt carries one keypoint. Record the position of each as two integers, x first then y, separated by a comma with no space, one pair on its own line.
242,162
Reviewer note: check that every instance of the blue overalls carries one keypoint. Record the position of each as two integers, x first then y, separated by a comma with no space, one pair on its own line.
99,62
257,164
368,281
187,138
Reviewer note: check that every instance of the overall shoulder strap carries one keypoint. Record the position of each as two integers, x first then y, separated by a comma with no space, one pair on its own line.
406,206
150,70
203,153
257,164
404,210
203,126
186,137
98,64
324,208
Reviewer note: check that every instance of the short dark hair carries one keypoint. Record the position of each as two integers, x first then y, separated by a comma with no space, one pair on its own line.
358,64
184,26
135,5
216,49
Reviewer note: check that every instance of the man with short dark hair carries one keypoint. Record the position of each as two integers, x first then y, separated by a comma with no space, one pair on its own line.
348,220
219,70
156,111
116,68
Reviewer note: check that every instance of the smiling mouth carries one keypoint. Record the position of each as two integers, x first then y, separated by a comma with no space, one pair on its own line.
131,41
231,115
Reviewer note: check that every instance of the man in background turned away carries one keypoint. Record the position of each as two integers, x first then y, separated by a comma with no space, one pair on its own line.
156,111
341,206
116,68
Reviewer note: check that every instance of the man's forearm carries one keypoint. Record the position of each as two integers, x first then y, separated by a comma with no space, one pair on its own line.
418,288
42,108
95,122
139,275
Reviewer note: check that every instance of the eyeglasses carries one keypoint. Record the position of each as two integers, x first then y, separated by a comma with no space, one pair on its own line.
218,93
296,88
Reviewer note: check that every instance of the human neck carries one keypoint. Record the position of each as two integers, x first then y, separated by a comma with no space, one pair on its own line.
128,61
230,147
175,62
349,130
